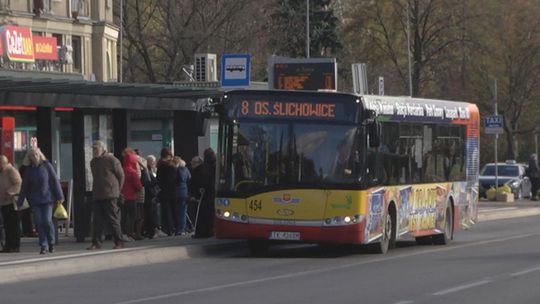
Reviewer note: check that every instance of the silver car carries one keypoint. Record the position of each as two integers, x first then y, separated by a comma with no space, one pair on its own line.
509,173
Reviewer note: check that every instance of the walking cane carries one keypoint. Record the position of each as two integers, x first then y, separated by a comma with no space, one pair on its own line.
201,190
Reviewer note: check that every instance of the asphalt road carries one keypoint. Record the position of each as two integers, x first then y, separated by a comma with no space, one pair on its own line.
495,262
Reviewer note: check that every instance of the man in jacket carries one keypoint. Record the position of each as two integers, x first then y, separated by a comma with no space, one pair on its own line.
108,177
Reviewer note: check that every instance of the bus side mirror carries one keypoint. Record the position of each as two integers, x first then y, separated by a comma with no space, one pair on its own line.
374,133
369,115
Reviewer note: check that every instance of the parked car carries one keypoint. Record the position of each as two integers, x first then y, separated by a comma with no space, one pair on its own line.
509,173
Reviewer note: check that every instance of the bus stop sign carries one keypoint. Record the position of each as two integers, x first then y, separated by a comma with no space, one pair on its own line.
493,124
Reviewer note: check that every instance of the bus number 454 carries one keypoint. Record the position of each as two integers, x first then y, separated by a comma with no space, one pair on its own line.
255,205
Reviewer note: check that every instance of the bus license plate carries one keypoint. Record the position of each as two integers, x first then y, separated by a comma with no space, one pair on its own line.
285,235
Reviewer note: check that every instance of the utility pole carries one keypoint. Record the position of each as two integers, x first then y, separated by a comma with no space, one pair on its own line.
536,130
307,28
496,112
121,41
409,49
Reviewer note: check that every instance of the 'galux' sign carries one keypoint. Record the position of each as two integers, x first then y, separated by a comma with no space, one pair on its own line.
19,44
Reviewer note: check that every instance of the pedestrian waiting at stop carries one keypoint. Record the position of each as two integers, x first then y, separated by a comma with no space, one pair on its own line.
27,221
183,176
41,187
10,185
108,177
167,181
130,190
534,175
199,187
151,189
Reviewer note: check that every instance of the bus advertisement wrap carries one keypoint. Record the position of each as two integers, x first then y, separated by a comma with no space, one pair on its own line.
320,167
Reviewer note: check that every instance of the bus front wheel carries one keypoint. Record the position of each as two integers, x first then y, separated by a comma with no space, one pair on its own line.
388,238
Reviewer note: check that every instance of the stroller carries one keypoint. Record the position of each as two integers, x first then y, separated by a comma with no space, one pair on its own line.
194,206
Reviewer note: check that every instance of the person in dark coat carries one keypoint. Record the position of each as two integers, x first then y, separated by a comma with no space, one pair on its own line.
28,229
210,160
41,187
199,186
534,175
167,181
151,190
181,196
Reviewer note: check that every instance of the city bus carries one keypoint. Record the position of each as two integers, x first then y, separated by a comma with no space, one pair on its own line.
337,168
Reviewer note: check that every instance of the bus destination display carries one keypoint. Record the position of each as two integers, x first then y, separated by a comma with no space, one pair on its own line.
276,109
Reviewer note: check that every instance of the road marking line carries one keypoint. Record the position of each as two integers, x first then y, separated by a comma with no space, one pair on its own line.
322,270
496,209
404,302
461,287
526,271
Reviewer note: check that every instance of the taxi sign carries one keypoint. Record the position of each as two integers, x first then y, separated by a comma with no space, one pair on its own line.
493,124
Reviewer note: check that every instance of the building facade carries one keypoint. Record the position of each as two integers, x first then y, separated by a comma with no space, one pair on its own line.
81,31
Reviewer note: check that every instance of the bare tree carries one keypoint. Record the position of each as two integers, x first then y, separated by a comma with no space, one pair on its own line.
434,29
163,35
511,55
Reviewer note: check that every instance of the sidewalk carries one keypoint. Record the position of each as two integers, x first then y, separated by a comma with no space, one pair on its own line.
489,211
72,257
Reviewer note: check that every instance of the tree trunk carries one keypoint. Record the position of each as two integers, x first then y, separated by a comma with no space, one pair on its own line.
510,149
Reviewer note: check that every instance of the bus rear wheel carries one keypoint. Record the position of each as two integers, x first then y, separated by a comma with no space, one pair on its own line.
258,248
445,237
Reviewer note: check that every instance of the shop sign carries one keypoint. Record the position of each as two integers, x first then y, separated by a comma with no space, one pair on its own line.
45,48
19,45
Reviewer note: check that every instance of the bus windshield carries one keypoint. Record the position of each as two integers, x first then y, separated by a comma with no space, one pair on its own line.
295,154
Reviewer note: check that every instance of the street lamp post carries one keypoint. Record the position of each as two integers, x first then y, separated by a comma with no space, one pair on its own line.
120,73
536,130
409,50
307,28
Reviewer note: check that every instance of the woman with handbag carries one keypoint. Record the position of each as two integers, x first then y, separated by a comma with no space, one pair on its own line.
41,187
10,185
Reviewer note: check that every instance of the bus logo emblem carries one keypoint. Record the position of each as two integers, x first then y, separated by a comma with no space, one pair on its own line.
285,199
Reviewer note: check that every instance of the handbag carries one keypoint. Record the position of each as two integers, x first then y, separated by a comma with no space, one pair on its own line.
60,213
25,205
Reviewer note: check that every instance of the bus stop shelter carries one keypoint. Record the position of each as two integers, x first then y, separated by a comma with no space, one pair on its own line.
47,95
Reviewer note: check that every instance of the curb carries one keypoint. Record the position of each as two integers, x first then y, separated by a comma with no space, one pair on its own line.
506,214
40,268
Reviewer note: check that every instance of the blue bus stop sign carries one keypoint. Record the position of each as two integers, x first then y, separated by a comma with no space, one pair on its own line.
235,70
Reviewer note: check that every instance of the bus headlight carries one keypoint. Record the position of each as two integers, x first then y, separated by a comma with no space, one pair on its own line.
226,214
343,221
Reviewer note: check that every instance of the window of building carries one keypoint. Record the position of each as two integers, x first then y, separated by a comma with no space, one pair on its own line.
77,53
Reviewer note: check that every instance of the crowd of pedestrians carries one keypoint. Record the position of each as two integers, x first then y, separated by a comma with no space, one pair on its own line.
132,198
